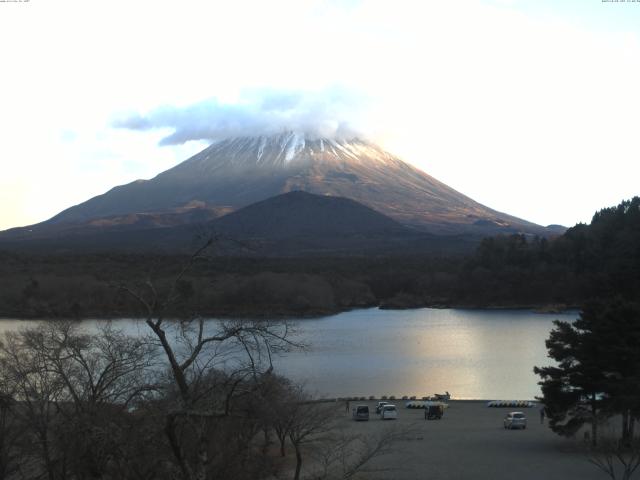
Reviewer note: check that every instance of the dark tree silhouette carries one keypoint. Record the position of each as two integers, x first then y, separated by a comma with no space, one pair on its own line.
598,369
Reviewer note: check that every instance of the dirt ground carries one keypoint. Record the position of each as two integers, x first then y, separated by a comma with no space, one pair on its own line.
470,443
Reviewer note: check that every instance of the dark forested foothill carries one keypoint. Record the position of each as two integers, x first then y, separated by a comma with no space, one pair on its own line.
599,259
87,286
588,261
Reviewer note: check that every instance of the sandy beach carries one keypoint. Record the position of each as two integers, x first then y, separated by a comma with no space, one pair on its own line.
470,443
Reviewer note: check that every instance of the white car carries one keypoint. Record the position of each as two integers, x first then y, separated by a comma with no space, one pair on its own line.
379,407
515,420
389,412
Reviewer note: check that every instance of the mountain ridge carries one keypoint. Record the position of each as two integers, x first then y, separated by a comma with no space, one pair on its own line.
237,172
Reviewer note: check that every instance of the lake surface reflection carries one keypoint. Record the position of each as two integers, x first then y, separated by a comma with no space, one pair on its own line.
486,354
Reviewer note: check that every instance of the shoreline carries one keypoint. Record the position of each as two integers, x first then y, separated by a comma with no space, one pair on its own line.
454,401
544,309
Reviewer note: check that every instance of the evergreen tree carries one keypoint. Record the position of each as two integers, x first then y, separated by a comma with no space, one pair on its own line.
598,371
617,326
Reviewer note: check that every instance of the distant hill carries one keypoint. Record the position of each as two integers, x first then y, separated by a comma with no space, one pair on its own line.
303,214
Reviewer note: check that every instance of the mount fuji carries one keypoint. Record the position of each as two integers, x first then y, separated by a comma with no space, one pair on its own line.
237,172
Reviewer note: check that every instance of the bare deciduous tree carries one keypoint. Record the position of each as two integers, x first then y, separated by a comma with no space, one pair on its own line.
193,348
616,458
38,390
308,421
10,434
345,456
72,394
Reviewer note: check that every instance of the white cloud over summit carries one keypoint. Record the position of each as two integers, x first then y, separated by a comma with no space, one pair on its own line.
333,112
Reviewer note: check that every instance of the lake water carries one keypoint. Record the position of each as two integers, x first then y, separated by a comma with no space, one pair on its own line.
474,354
485,354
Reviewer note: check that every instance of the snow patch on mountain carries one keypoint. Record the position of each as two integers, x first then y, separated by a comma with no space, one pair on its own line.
295,144
289,148
263,143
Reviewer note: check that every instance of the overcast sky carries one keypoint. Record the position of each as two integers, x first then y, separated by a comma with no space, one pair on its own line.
531,107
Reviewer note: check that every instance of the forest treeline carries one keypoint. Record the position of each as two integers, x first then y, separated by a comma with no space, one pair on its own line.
598,259
601,259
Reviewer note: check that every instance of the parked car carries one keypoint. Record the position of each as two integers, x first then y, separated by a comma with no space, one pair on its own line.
587,399
360,412
433,412
379,407
389,412
515,420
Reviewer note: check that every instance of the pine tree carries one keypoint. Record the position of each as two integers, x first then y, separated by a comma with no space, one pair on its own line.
598,371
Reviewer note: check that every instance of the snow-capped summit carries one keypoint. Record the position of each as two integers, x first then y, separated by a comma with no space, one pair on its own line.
288,149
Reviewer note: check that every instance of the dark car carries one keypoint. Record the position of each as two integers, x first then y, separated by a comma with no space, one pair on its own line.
434,412
360,412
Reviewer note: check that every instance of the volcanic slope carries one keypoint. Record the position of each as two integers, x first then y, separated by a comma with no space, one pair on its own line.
291,224
236,172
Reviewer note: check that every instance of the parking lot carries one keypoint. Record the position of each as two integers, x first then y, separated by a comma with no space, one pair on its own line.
469,442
